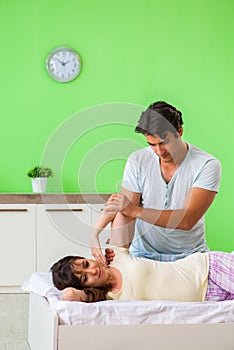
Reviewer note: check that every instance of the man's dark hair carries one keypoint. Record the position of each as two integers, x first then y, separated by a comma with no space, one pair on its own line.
159,118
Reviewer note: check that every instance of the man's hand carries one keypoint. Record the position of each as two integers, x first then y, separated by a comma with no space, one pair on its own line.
120,203
109,255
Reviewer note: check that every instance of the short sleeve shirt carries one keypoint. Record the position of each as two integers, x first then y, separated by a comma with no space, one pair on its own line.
143,175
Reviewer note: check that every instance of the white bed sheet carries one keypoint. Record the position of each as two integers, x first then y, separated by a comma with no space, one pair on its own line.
128,312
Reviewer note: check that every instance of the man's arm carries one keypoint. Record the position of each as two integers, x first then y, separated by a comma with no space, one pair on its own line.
196,203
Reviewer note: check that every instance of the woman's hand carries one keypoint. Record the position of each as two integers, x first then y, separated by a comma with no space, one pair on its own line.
96,250
73,294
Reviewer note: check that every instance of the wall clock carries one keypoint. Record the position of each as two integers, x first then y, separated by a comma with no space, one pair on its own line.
63,64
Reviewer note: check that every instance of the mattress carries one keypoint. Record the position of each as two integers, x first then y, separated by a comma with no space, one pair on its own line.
127,312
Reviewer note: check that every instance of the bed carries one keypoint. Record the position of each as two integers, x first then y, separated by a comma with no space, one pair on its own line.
124,325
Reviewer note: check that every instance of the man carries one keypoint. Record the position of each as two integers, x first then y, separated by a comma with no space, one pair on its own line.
166,189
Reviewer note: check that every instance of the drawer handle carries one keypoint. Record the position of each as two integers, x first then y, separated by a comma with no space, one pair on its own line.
64,210
12,210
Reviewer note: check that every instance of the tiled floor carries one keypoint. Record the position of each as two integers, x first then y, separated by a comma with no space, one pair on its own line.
14,321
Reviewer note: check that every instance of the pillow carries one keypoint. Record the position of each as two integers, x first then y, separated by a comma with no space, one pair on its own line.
41,283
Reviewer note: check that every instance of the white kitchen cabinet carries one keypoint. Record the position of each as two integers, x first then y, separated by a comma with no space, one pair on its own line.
62,229
34,236
18,241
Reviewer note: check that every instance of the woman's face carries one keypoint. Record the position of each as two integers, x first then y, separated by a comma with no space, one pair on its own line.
90,272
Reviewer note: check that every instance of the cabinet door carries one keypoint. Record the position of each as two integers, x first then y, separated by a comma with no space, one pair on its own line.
105,234
18,241
62,230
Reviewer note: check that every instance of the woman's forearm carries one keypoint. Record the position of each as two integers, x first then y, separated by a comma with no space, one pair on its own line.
103,220
73,294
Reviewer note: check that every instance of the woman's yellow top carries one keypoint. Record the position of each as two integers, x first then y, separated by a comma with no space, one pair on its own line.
144,279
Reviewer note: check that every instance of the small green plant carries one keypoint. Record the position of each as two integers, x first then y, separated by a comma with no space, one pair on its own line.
40,171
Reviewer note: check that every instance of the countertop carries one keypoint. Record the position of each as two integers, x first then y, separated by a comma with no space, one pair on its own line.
53,198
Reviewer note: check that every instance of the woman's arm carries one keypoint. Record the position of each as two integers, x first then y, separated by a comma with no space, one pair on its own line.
103,220
122,228
73,294
122,231
88,295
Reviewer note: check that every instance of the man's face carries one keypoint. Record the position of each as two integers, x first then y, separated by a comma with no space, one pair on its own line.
167,148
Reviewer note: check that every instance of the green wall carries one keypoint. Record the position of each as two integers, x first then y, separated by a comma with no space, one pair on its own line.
133,53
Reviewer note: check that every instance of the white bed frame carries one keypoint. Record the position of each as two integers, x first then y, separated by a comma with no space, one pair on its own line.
45,333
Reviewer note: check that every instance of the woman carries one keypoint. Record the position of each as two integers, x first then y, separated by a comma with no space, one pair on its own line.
198,277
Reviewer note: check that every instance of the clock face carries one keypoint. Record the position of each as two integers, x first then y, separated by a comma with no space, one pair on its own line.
63,64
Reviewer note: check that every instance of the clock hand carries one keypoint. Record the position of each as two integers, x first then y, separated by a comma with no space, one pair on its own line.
62,63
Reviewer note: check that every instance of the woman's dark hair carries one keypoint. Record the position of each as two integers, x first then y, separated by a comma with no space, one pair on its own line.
159,118
63,276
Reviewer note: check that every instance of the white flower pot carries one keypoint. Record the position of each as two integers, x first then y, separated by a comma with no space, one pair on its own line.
39,184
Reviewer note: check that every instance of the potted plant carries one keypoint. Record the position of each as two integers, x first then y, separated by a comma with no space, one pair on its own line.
39,175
